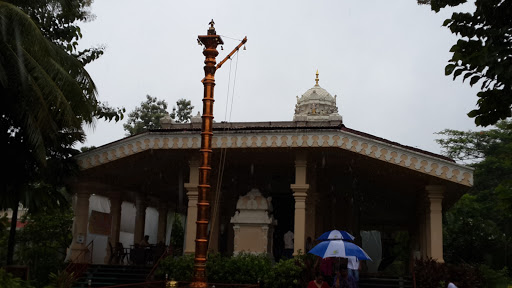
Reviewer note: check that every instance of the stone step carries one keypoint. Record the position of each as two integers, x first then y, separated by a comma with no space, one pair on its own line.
109,275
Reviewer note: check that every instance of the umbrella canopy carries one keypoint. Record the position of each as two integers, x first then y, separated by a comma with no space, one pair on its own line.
336,235
339,248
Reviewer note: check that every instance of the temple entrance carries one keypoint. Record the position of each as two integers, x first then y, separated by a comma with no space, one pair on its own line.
283,208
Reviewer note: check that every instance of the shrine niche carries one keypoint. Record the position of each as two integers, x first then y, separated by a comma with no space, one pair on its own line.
253,224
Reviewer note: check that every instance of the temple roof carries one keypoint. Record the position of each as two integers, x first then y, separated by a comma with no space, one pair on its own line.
282,135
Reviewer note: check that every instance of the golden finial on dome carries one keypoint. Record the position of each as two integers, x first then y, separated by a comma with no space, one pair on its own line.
317,77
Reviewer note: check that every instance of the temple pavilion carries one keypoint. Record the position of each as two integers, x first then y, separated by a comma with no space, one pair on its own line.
308,175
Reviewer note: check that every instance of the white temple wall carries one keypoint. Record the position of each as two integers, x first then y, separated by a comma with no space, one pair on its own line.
126,236
372,245
100,204
151,225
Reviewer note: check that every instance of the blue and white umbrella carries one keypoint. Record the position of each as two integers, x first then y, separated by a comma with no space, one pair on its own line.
339,248
335,235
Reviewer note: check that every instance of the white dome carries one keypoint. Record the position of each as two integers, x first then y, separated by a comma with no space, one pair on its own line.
317,93
316,104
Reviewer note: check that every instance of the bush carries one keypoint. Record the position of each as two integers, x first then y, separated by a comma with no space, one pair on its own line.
285,274
309,267
61,279
4,238
177,235
495,278
177,268
7,280
244,268
431,274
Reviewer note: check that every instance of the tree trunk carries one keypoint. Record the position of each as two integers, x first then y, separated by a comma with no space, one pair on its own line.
12,232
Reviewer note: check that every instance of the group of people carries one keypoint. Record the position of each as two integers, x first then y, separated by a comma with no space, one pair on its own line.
342,279
346,273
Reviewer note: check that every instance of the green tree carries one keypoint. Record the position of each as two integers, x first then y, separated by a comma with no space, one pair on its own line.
482,54
47,98
478,227
43,242
146,116
183,113
4,235
177,235
58,21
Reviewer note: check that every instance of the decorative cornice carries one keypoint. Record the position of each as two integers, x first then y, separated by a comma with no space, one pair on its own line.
383,151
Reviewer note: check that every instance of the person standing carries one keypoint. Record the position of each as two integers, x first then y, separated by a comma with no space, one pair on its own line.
144,242
146,251
353,268
343,280
318,282
288,244
326,269
309,244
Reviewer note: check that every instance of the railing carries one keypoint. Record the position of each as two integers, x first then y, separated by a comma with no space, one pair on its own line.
220,285
164,255
183,284
77,269
153,284
401,282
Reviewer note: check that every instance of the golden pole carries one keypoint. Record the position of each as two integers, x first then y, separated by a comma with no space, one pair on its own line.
210,42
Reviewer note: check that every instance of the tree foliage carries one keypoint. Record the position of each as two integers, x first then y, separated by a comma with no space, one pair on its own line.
48,96
46,90
58,21
183,113
43,242
4,236
482,54
8,280
478,227
150,112
146,116
177,235
431,274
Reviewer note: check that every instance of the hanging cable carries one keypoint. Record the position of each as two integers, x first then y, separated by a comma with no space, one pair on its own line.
227,92
223,150
224,36
234,82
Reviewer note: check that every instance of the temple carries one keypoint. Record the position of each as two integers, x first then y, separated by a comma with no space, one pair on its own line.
308,176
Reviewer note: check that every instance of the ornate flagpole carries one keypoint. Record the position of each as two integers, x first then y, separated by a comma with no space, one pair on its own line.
210,42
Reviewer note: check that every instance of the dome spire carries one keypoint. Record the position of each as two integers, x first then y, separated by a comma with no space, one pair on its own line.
317,78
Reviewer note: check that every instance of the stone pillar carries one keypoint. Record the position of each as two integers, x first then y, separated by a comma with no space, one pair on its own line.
79,246
192,194
115,212
140,218
435,197
162,222
425,250
300,189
